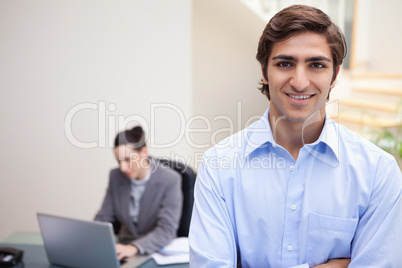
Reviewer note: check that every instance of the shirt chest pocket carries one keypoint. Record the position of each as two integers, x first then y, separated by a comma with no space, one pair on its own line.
328,238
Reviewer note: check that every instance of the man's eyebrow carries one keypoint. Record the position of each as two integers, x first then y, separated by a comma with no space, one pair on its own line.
291,58
284,57
318,58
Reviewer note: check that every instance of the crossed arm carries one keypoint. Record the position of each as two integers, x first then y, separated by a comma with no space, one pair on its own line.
334,263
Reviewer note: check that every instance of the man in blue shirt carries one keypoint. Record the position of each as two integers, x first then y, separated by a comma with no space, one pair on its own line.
295,189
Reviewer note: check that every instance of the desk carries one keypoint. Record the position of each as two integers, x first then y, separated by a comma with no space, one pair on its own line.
35,254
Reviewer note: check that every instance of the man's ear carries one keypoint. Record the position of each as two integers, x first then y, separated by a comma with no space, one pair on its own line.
334,79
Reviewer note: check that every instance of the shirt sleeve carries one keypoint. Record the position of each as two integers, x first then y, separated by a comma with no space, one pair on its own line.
106,213
141,251
378,238
211,237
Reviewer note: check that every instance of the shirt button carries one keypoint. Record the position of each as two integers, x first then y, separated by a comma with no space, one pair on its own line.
292,168
290,247
293,207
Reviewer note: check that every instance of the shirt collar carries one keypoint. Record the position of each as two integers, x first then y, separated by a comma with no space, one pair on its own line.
325,148
258,133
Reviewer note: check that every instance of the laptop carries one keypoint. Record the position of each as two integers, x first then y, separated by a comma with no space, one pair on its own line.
78,243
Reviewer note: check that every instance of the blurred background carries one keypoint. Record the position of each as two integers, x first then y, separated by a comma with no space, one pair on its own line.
74,73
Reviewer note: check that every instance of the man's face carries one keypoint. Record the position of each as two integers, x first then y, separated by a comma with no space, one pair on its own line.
131,162
299,71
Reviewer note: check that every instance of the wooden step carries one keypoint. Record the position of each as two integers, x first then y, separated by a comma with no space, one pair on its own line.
369,105
385,91
372,75
367,120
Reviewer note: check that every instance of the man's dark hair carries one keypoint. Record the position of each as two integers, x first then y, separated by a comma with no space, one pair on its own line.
292,21
134,138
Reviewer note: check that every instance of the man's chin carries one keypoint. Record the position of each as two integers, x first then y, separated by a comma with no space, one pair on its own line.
306,118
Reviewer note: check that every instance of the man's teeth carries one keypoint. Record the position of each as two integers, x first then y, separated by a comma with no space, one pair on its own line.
300,97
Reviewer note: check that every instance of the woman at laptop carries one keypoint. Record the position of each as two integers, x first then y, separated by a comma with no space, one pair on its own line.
144,197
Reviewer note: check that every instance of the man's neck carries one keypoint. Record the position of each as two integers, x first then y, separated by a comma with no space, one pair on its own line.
293,136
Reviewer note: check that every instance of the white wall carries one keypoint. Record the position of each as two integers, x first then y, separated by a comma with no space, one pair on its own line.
378,40
55,55
385,39
225,71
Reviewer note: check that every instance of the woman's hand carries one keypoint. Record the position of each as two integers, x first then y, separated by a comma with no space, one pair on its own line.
126,251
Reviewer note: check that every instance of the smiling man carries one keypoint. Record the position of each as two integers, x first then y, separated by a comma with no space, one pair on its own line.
335,201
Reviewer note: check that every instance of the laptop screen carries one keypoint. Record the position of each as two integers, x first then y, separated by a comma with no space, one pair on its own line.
78,243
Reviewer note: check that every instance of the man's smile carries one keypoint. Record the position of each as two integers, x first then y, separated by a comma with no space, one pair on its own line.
299,97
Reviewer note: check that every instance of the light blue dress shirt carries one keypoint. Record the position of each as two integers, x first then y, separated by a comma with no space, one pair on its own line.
255,204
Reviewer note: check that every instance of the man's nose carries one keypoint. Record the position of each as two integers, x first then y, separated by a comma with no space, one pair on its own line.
300,79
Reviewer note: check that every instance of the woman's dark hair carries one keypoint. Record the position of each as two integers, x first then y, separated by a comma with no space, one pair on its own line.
134,138
294,20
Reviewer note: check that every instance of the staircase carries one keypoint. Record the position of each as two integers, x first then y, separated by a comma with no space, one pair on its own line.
371,105
372,108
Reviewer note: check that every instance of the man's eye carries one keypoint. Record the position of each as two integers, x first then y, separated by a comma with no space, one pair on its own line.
317,65
284,64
